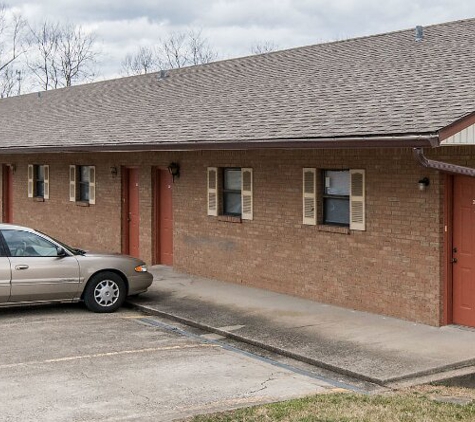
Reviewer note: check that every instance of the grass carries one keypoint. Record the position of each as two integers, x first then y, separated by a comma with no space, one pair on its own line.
418,404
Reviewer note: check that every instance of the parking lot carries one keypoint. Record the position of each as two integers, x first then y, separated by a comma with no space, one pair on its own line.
63,363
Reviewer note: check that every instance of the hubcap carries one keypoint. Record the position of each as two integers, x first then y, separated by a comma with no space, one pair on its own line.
106,293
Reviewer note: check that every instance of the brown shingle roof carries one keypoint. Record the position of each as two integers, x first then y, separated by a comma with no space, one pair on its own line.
380,85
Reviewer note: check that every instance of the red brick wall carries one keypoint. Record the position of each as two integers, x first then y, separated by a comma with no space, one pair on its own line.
395,267
98,226
392,268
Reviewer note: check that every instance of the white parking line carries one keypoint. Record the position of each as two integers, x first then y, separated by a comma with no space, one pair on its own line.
108,354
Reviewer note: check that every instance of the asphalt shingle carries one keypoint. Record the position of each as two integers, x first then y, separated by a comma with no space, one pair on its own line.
379,85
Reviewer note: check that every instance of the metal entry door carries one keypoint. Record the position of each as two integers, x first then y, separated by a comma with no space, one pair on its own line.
164,219
464,251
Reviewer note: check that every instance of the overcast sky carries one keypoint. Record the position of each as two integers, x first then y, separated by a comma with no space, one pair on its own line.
233,26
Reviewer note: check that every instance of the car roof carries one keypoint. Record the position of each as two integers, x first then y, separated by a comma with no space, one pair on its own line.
6,226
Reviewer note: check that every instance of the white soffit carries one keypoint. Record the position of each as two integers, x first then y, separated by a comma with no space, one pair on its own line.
464,137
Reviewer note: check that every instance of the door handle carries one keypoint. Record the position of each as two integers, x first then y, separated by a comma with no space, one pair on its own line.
453,260
22,267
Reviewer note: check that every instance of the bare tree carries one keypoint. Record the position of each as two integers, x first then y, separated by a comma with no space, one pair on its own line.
177,50
11,31
144,61
63,55
261,47
8,82
43,63
77,55
172,51
200,51
12,46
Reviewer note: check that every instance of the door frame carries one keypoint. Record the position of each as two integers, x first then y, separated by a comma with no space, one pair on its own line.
156,213
7,193
448,209
125,232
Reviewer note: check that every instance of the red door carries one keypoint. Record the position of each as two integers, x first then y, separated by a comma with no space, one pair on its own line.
7,194
131,216
464,251
164,218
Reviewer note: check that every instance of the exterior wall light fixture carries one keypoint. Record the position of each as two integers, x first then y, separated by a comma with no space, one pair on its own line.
174,170
423,184
113,171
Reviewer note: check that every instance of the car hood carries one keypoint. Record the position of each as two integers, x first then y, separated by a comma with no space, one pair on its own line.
112,256
105,254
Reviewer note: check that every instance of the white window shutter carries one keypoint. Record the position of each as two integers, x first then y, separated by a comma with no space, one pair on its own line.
309,190
46,182
357,200
246,194
92,184
30,180
72,183
213,191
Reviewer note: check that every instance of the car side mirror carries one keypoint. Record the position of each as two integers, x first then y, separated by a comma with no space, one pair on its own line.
61,252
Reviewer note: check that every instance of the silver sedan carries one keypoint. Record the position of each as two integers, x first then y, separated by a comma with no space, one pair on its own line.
35,268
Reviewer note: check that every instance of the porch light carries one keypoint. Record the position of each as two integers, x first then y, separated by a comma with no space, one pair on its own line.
113,171
174,170
423,184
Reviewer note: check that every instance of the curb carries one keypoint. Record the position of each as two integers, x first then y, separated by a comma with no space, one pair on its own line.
315,362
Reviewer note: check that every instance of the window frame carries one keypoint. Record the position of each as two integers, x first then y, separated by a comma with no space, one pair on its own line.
225,191
39,180
75,183
326,196
215,197
313,206
83,186
34,179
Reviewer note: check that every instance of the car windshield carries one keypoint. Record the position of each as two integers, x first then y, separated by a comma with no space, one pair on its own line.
74,251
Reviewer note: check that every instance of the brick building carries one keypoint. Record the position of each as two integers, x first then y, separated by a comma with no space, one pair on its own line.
302,171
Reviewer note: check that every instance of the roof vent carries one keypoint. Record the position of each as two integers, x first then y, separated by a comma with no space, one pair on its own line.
419,33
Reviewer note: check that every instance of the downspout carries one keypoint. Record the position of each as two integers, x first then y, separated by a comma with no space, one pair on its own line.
419,156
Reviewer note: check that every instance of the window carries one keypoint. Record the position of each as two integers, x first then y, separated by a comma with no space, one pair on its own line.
230,192
38,181
82,184
341,200
336,197
21,243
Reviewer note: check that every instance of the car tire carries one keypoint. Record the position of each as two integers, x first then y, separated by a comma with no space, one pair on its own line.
105,292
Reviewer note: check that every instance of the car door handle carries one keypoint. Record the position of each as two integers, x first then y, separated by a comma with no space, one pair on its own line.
22,267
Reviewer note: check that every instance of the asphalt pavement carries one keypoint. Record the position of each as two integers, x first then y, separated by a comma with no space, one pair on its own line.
382,350
62,363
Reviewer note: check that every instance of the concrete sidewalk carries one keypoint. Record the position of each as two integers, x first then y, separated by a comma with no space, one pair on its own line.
372,348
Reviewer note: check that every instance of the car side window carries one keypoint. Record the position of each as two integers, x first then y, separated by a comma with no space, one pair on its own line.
23,243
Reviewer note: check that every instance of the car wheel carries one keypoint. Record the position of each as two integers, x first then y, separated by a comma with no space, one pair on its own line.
105,292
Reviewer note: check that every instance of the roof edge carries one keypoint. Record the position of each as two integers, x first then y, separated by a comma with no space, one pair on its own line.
353,142
457,126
